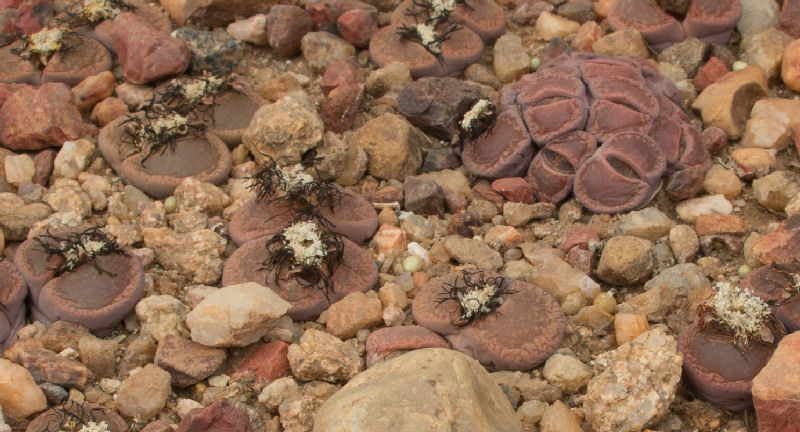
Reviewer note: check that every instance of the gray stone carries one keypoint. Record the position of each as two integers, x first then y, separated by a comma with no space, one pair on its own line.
215,52
426,390
634,384
580,11
322,356
423,196
680,279
688,54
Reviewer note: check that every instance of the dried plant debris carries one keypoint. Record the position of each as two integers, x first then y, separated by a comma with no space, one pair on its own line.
78,248
157,132
432,26
185,96
743,313
477,295
479,118
74,417
299,186
305,252
46,42
84,12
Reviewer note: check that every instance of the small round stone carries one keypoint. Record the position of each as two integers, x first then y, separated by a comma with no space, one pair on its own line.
606,301
738,65
535,63
170,204
412,264
744,270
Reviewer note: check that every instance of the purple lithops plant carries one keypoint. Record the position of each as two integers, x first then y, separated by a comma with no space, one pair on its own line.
606,128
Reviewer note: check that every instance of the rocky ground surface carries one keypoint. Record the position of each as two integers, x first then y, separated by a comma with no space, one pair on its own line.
172,356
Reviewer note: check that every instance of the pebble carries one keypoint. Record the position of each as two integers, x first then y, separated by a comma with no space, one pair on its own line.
628,326
552,273
388,79
66,195
197,255
19,395
720,180
142,395
108,110
198,195
721,102
531,412
774,190
473,251
252,30
434,387
390,241
688,54
72,158
558,418
684,243
711,224
626,260
528,11
221,416
235,315
775,388
752,162
160,316
710,72
393,145
19,168
418,228
392,294
357,26
423,196
284,130
92,90
634,385
354,312
790,67
566,372
511,61
765,49
514,189
268,362
322,356
518,214
213,52
393,316
186,361
649,223
278,391
145,54
549,26
320,49
99,355
757,15
688,210
623,42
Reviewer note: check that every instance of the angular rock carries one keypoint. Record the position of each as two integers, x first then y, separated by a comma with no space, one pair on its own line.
726,102
436,105
99,355
774,191
622,42
713,70
566,372
684,243
626,260
775,388
213,13
320,49
221,416
355,312
72,158
142,395
558,418
235,315
321,356
19,169
710,204
161,316
145,54
687,54
423,196
765,49
286,26
407,393
196,255
393,145
550,26
790,67
473,251
268,362
284,130
649,223
510,59
252,30
357,26
634,384
186,361
514,189
34,119
19,395
46,366
214,52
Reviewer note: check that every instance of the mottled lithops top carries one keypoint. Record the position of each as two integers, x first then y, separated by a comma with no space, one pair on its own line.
606,128
437,37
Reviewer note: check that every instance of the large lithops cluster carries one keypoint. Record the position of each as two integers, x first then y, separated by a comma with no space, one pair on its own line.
606,128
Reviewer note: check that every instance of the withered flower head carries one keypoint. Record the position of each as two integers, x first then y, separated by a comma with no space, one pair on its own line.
476,295
300,187
746,315
78,248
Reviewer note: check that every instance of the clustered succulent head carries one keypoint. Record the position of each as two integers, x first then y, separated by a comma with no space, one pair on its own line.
745,314
78,248
306,252
476,295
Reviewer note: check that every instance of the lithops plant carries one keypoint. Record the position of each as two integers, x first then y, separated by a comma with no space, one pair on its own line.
437,37
731,340
606,128
505,325
779,286
13,291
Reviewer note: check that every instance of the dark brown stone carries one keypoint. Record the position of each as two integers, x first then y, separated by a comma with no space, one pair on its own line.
423,196
43,166
286,26
436,105
339,109
221,416
187,361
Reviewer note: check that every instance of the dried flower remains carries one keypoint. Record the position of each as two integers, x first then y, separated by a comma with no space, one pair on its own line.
74,417
747,316
78,248
432,25
479,118
306,253
476,295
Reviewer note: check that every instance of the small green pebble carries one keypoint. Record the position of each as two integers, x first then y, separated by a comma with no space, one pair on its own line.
606,301
738,65
744,269
170,204
412,264
535,63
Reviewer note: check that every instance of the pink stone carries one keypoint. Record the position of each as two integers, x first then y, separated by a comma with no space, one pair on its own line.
384,341
339,73
145,54
34,119
220,416
268,362
43,166
588,33
357,26
582,259
709,72
339,109
514,189
776,389
286,26
579,236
